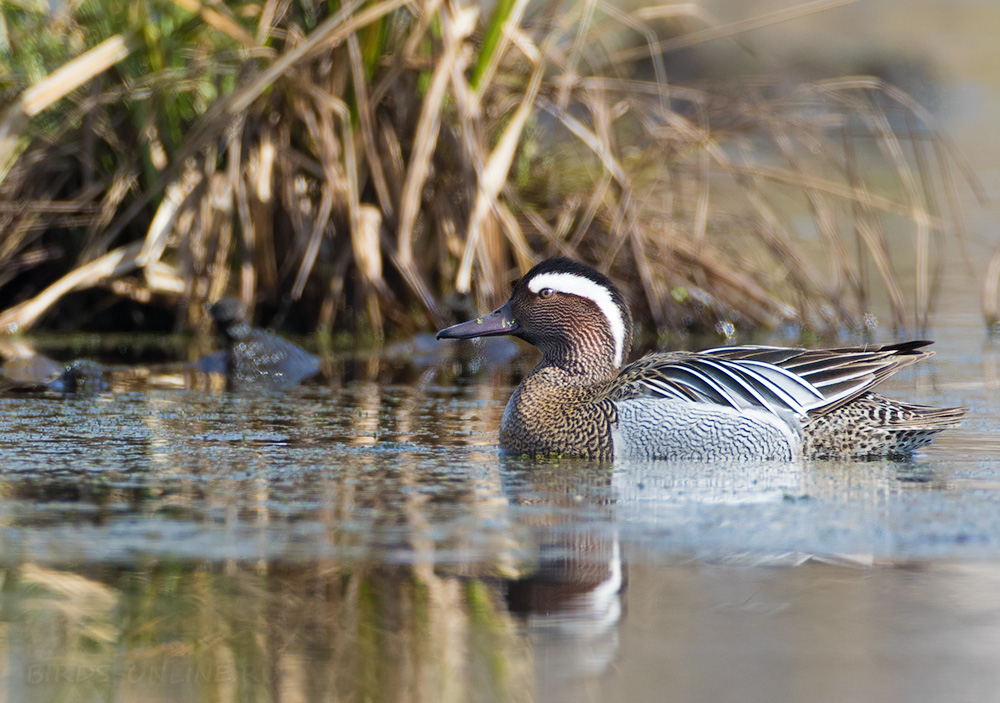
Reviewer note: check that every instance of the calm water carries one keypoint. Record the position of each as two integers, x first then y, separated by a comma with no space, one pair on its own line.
359,537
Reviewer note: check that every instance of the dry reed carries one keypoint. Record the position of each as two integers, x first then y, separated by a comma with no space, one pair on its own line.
362,164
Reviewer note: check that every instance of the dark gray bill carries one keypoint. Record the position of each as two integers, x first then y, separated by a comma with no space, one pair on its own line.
500,321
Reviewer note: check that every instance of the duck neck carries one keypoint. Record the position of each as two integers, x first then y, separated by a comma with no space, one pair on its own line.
580,365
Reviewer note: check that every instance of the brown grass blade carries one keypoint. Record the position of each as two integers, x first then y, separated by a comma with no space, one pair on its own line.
162,225
366,121
457,29
492,179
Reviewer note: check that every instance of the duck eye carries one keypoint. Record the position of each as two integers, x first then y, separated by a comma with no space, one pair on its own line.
546,293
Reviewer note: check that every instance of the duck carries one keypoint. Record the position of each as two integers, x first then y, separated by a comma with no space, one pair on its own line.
254,358
733,403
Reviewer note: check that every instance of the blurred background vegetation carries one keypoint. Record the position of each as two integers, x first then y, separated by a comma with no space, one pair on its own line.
381,167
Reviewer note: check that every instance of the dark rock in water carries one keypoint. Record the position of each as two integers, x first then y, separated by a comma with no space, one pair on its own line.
31,371
83,375
475,355
255,358
37,372
420,350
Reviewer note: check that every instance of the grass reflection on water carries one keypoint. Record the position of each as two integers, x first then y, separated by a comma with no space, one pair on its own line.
266,631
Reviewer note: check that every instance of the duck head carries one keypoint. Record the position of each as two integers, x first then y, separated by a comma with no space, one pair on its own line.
574,314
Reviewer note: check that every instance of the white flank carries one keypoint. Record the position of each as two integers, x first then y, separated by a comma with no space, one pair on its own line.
572,284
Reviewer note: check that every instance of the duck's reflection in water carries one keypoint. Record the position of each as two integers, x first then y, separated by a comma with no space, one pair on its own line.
572,603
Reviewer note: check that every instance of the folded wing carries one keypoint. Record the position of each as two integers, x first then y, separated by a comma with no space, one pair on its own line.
780,380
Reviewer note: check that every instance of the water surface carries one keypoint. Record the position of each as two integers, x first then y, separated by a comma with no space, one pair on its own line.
359,536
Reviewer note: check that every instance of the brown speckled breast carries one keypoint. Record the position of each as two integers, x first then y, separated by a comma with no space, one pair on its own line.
546,416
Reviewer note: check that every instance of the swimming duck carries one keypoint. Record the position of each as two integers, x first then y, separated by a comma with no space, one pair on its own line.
255,358
729,403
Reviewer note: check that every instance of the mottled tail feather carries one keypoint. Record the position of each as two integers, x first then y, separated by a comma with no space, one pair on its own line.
872,425
926,417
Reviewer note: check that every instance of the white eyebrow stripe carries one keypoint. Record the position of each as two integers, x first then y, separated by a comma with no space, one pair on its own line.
572,284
